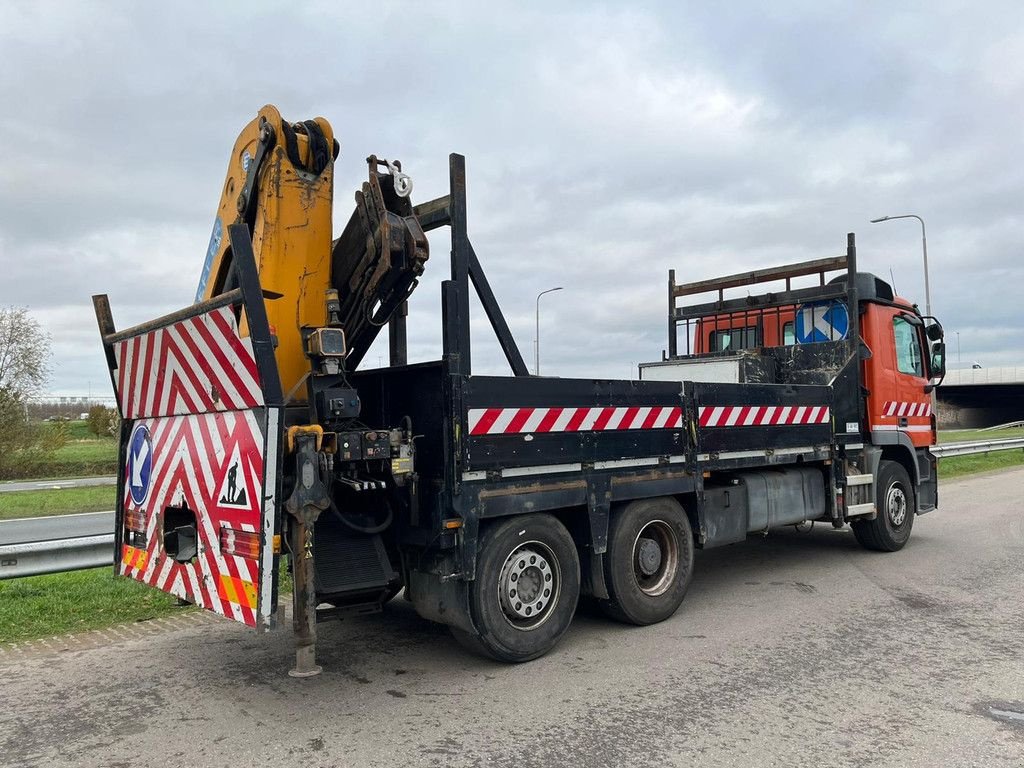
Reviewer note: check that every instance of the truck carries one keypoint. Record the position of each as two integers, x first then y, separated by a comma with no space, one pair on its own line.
253,441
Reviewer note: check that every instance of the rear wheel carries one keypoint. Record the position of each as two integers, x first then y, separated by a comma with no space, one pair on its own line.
895,507
526,588
649,562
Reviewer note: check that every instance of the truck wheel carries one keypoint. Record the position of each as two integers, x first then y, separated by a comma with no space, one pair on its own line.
649,561
895,506
526,588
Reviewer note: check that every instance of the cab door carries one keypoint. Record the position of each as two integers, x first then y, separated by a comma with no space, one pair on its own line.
899,406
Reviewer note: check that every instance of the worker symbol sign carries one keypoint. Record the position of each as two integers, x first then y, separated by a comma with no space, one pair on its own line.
140,464
821,321
236,489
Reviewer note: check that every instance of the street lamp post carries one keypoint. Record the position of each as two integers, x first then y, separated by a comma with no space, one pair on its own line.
536,339
924,248
957,348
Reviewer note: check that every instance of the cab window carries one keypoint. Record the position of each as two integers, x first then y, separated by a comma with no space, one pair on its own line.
788,334
908,348
734,338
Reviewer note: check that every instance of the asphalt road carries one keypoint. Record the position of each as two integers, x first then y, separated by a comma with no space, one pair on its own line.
794,650
55,527
42,485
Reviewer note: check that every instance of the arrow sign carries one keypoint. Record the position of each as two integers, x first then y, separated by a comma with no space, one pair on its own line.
140,463
821,321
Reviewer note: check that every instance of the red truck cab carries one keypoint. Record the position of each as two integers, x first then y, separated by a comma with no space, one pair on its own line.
898,373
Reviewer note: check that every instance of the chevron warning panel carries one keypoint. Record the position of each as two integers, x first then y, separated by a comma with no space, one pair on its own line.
191,457
197,365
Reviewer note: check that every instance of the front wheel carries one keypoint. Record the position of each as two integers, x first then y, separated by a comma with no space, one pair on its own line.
895,507
526,588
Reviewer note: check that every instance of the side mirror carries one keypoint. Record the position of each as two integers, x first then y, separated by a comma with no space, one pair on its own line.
934,332
937,367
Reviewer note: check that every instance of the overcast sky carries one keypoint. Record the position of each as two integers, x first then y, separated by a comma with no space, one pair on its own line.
605,144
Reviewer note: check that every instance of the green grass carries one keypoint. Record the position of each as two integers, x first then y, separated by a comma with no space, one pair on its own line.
957,466
64,501
79,430
76,458
97,450
43,606
970,435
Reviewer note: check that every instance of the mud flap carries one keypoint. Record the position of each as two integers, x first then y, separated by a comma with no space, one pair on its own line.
199,495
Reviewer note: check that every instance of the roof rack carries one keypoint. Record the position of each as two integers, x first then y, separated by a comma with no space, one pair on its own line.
788,296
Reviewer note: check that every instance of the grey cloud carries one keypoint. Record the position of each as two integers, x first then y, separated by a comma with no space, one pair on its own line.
605,145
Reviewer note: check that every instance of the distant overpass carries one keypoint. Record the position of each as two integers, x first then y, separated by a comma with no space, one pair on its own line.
981,397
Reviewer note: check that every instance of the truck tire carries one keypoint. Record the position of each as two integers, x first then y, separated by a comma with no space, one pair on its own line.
895,506
526,588
649,562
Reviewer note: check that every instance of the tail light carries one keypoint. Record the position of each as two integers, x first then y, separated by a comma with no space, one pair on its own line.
241,543
135,520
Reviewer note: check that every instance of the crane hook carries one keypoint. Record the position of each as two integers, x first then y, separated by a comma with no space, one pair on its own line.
403,182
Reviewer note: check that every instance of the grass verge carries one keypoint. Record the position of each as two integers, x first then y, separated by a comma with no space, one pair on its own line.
55,604
957,466
63,501
972,435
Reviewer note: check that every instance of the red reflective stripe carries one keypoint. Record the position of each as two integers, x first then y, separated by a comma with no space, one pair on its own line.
675,418
651,418
483,426
230,334
121,365
224,367
549,419
521,417
603,418
627,420
136,344
143,406
576,419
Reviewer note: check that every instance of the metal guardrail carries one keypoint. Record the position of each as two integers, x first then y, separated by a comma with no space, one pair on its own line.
39,557
977,446
40,545
37,545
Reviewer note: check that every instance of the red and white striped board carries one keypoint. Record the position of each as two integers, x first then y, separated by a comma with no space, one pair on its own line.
197,365
762,415
191,457
897,408
194,386
518,421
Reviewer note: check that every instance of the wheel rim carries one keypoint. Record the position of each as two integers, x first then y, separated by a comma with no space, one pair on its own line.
529,585
896,504
656,558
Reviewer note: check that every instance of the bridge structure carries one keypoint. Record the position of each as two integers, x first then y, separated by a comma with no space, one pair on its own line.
980,397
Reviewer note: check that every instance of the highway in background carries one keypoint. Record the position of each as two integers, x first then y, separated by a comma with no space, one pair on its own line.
64,482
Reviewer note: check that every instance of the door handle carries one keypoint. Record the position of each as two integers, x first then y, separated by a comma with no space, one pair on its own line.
903,421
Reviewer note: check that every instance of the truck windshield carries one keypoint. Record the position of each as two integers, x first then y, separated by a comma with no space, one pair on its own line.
908,348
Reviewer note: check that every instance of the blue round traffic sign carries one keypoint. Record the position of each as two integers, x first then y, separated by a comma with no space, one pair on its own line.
140,463
821,321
